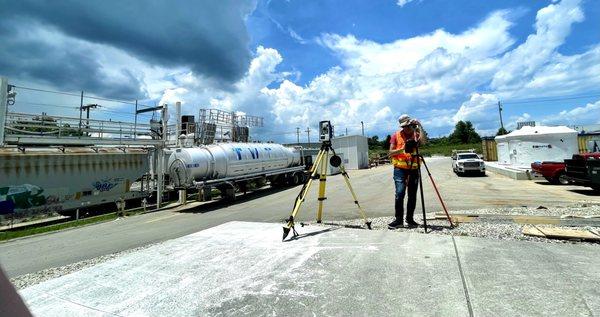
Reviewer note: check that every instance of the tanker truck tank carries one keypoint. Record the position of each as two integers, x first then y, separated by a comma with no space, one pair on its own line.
225,160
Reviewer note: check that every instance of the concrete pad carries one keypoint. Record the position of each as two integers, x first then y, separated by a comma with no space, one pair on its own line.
244,268
516,278
508,171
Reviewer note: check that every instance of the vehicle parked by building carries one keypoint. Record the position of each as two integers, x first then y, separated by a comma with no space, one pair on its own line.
467,161
553,172
584,169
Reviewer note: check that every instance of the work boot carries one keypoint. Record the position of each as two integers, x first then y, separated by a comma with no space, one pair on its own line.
412,224
395,224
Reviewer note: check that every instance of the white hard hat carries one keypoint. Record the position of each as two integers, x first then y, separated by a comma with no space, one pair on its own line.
404,120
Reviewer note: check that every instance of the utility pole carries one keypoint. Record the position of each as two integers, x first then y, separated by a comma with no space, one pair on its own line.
80,112
135,121
362,127
346,131
308,134
500,112
3,106
87,115
298,135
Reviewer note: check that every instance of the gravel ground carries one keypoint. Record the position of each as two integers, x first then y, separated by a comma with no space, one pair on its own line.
579,209
491,230
27,280
483,230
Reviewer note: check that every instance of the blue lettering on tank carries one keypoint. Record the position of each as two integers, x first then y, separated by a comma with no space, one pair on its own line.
251,153
238,151
256,150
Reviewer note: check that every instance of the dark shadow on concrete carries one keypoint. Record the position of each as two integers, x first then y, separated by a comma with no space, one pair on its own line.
222,203
345,226
438,227
473,174
547,183
310,234
587,192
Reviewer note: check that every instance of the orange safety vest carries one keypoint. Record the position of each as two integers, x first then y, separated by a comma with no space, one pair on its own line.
404,160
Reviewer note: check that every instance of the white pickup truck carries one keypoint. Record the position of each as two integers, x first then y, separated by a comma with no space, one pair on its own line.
467,161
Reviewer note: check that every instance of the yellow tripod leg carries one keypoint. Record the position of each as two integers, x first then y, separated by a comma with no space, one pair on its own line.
360,209
300,199
313,172
322,182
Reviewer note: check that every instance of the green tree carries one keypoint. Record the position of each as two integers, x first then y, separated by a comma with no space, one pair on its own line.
464,132
386,142
502,131
373,141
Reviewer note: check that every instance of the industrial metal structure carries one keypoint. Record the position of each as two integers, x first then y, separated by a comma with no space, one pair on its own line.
56,163
225,126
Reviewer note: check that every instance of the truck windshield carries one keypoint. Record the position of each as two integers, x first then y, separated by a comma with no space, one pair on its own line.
468,156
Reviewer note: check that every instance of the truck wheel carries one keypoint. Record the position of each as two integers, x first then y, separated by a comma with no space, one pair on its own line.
294,179
563,179
560,179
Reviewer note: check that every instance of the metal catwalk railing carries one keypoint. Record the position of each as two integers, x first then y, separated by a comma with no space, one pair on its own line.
23,128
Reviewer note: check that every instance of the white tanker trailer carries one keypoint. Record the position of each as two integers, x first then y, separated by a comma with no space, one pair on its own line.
234,162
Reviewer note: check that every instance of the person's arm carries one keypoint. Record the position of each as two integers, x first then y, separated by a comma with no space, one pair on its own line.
393,142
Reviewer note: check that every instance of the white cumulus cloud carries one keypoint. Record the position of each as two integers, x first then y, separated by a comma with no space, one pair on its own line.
440,77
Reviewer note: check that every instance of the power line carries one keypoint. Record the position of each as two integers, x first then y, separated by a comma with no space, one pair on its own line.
48,91
40,104
45,105
76,95
550,99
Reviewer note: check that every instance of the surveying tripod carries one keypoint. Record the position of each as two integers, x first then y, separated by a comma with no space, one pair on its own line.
320,166
421,159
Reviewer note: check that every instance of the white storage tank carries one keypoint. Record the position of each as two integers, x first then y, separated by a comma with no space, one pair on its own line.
228,160
522,147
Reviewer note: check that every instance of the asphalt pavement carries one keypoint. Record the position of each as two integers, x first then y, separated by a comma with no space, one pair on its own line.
374,188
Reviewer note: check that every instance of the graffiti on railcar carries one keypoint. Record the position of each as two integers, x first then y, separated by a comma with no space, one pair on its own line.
106,184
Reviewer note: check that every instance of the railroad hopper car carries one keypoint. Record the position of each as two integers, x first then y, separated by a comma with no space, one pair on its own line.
51,179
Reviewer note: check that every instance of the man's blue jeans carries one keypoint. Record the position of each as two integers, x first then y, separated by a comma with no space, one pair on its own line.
405,179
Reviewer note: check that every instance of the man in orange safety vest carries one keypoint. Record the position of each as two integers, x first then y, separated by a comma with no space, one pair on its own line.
403,155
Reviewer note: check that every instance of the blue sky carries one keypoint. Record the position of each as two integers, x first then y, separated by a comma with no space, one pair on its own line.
298,62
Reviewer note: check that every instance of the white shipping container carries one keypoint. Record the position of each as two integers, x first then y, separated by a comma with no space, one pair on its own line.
354,149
